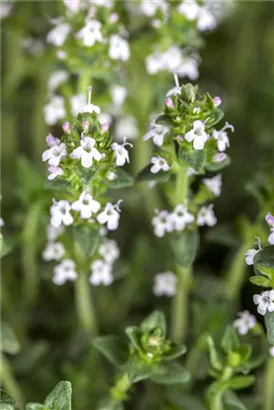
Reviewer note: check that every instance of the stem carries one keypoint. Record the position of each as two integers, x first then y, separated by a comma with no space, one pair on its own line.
9,381
269,385
84,82
121,387
180,303
84,306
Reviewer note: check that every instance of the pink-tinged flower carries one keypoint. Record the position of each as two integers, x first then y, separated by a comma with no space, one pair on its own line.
217,101
265,302
61,54
113,18
169,103
220,157
86,152
54,172
271,237
270,219
66,127
54,154
51,140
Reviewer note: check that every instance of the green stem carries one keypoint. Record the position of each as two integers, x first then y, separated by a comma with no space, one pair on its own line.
268,395
84,306
121,387
9,381
84,82
180,302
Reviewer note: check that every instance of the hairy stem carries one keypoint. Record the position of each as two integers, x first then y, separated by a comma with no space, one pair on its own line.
121,387
268,395
9,382
84,305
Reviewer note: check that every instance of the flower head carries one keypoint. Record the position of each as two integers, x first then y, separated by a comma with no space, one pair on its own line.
54,154
121,153
159,164
165,284
101,273
162,223
265,302
53,251
64,272
244,322
110,216
87,152
86,205
206,216
60,214
197,134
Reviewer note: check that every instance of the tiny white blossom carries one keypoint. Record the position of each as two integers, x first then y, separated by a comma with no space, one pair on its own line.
5,10
86,205
219,157
222,137
54,172
264,301
87,152
118,48
77,102
105,119
271,237
91,33
157,132
111,176
118,94
159,164
121,153
245,322
54,233
155,63
162,223
58,35
189,68
165,284
51,140
180,217
206,20
109,251
54,110
249,256
54,154
72,5
53,251
197,135
190,9
2,223
150,8
101,273
126,127
271,351
64,271
56,79
60,214
110,216
214,184
206,216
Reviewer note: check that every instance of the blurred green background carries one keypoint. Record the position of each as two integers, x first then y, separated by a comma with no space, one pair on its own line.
237,65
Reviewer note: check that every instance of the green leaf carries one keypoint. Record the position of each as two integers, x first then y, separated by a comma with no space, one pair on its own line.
110,403
230,340
86,240
113,348
4,248
215,361
163,120
269,323
85,174
35,406
189,92
57,184
232,402
185,246
260,281
138,370
147,175
134,334
9,342
175,351
170,373
153,321
217,116
241,382
122,180
60,397
194,159
264,262
6,406
6,397
217,166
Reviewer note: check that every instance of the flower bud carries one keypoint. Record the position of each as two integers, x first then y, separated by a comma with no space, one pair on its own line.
169,103
217,101
66,127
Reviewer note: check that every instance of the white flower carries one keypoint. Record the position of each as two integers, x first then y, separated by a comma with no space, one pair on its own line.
91,108
105,118
189,9
118,48
222,137
58,35
51,140
5,10
118,94
87,152
2,223
54,172
64,271
150,8
53,251
249,256
197,135
165,284
155,63
86,205
157,132
126,127
214,184
159,164
56,79
162,223
271,236
109,251
54,233
206,20
72,5
60,214
264,301
110,216
54,154
121,153
91,33
271,351
54,110
173,59
101,273
244,322
180,217
206,216
77,102
220,157
189,68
